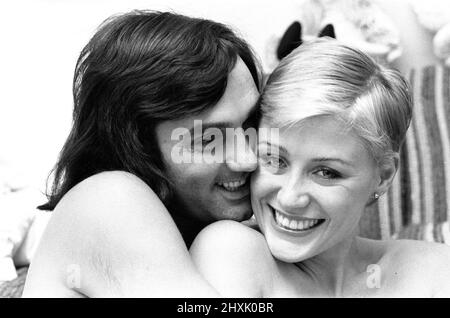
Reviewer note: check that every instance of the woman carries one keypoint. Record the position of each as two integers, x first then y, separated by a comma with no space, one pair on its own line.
342,119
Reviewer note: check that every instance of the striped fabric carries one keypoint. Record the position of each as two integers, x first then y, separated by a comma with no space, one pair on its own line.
417,205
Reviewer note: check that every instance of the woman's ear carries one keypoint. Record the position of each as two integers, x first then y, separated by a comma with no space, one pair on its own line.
387,170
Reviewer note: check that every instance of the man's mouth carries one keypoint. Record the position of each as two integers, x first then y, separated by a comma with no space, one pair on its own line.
233,186
295,224
236,190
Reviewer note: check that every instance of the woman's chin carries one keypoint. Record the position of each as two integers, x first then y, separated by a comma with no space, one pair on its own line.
287,251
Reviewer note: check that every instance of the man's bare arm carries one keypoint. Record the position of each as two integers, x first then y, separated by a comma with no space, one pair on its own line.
123,240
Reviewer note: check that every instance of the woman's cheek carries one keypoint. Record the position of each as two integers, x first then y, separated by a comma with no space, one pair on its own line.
330,199
262,184
342,207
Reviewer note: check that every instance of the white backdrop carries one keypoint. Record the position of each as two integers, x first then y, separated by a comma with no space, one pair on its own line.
40,42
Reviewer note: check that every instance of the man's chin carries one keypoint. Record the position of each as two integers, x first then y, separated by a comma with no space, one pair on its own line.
246,216
239,216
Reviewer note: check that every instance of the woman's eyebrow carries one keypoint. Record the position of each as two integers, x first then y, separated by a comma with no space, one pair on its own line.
324,159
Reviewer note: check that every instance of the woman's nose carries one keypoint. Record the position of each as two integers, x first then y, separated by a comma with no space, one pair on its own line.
293,196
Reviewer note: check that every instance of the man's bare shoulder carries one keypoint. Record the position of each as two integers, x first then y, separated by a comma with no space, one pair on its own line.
107,187
108,203
111,226
234,258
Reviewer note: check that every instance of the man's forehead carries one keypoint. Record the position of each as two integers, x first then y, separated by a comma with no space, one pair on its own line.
238,100
236,105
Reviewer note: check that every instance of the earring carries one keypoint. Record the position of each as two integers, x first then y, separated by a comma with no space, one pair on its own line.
376,196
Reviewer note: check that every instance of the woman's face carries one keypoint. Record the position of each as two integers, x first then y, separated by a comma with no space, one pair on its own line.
311,195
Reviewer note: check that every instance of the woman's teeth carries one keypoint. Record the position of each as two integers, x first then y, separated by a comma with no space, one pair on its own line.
232,185
295,225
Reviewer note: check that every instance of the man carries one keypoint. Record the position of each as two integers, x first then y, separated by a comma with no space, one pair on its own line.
120,199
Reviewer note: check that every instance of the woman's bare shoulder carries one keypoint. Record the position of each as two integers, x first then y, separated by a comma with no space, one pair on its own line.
234,258
230,236
426,263
419,251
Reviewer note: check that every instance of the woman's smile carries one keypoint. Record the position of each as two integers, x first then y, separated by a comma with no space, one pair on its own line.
294,223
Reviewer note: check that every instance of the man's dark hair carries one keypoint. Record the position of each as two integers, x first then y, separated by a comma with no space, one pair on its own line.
139,69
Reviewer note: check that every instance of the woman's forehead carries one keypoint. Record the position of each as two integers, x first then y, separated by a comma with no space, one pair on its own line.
319,136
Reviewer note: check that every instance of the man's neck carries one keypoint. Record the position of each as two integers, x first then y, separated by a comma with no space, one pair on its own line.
188,227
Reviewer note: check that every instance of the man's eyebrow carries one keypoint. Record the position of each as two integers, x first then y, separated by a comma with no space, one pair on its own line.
252,113
324,159
220,125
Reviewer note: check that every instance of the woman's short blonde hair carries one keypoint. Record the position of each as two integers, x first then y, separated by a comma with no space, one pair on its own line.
324,77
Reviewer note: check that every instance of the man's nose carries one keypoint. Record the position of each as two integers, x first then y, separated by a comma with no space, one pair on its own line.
293,195
242,158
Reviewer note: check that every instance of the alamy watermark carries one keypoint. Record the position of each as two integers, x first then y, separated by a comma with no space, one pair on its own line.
214,145
374,278
73,277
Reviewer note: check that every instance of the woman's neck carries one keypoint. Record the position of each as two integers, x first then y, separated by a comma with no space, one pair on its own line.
336,269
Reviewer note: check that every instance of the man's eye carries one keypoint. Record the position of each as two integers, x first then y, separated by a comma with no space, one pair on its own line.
252,121
327,173
207,139
273,163
200,143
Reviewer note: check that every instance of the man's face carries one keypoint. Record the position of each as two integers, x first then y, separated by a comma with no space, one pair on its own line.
211,191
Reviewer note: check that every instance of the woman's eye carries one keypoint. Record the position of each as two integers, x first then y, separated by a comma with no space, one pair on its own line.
328,173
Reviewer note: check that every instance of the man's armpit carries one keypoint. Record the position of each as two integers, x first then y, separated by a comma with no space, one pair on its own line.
104,271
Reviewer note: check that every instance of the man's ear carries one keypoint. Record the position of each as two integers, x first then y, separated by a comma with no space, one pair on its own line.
387,171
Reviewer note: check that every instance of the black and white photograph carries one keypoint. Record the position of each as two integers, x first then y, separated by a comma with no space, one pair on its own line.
251,150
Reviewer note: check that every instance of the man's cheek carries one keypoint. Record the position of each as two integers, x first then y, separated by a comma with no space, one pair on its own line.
194,174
